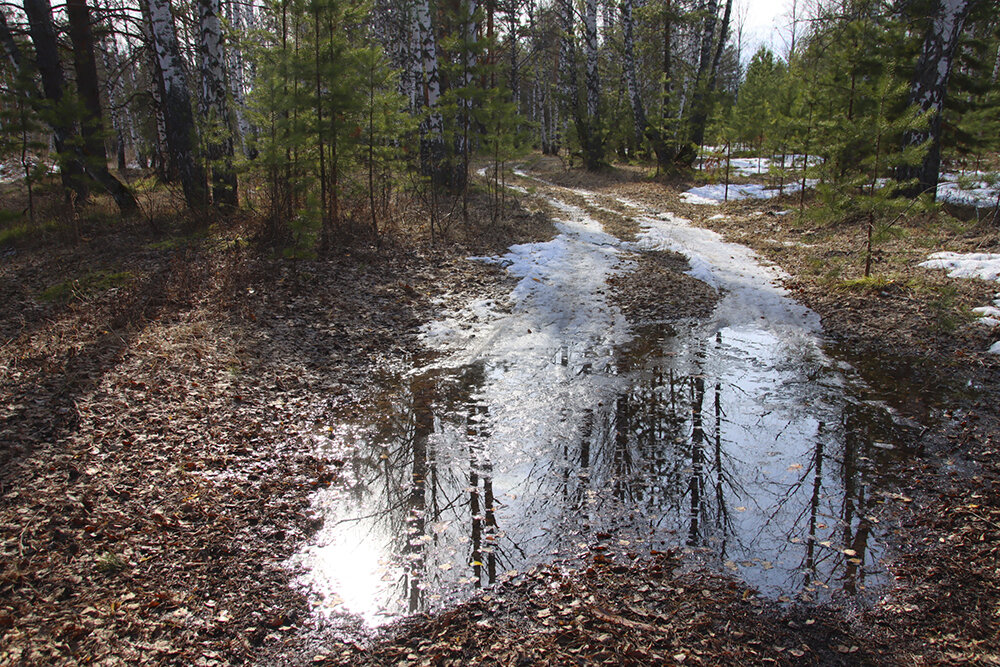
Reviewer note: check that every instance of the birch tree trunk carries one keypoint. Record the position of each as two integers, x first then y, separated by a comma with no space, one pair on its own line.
160,156
110,58
432,128
240,17
631,80
177,114
930,87
95,158
215,107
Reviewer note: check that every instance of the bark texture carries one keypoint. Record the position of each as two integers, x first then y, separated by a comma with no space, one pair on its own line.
95,158
701,100
631,78
429,87
43,36
215,106
930,88
176,105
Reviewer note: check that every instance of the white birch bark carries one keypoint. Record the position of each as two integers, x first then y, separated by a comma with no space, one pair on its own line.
213,74
934,67
239,16
635,98
178,116
110,58
215,105
432,129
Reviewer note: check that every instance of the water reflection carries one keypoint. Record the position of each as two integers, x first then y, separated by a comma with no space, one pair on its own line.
552,431
754,457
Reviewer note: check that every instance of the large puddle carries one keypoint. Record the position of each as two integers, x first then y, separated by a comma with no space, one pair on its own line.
546,429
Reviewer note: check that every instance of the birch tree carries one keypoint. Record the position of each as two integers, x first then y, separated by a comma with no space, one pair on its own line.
215,106
429,92
631,76
176,104
240,17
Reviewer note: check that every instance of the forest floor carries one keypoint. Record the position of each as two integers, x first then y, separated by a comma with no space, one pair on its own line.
161,395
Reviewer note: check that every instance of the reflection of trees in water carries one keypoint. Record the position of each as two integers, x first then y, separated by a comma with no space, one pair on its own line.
659,462
426,490
668,454
671,452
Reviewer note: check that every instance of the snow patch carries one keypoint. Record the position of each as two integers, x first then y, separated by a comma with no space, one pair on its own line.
981,265
714,194
975,190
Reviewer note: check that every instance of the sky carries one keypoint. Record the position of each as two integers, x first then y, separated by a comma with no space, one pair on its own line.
766,23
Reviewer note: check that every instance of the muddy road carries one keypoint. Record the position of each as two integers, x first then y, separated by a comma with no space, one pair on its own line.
548,426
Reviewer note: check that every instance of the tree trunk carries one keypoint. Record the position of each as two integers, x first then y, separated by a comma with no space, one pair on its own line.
215,107
720,45
658,135
429,83
95,158
239,16
567,69
119,120
701,100
177,114
161,154
9,45
593,143
43,36
634,94
929,89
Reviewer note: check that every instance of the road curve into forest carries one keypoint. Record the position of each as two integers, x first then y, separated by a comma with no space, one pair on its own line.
548,425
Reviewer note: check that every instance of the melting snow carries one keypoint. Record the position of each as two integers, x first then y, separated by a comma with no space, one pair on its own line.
714,194
542,379
985,266
979,194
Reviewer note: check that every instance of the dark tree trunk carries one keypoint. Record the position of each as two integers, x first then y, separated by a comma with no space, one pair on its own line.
94,153
591,130
701,102
43,36
10,46
658,137
930,87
